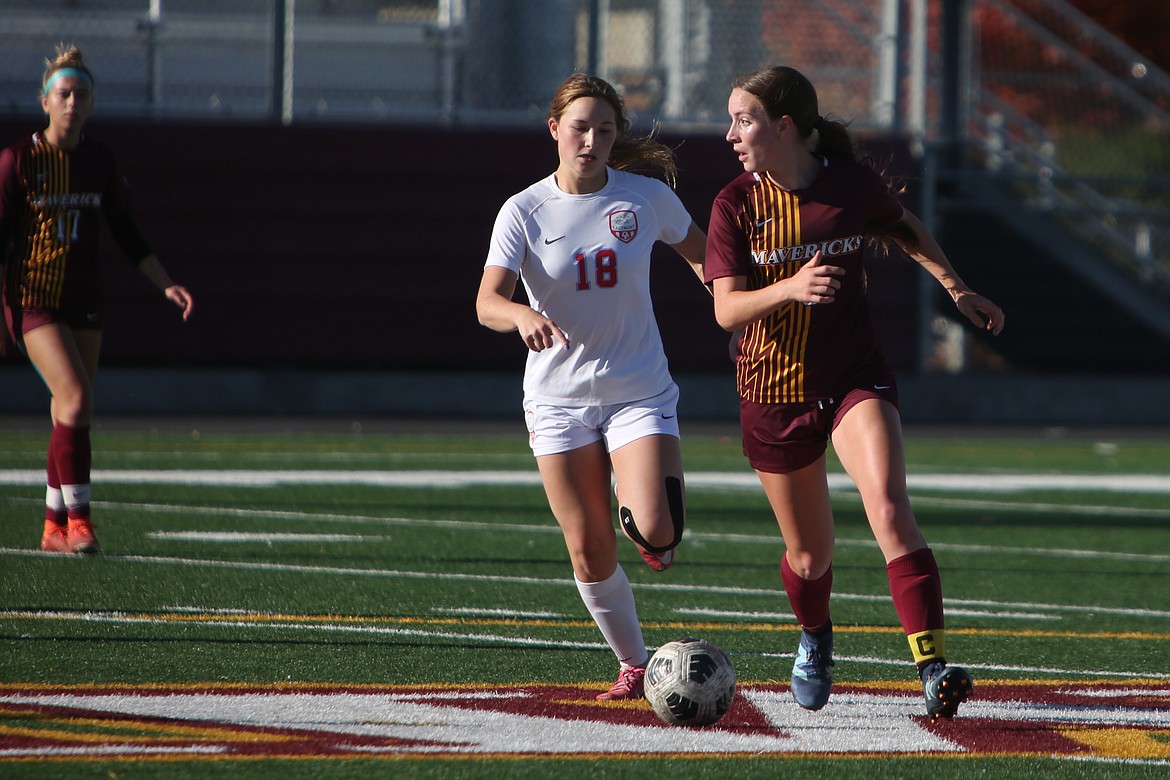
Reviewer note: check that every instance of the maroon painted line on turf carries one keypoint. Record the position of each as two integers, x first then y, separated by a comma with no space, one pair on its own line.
1085,720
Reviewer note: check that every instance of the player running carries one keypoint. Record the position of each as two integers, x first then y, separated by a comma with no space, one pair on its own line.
785,255
56,187
597,391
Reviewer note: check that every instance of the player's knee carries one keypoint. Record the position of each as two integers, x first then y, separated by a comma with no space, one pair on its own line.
808,565
889,514
73,405
652,536
593,559
677,509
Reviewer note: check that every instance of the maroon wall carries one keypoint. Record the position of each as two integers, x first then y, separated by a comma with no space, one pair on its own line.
321,246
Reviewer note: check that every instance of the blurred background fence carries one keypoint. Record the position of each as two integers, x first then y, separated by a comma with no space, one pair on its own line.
1039,141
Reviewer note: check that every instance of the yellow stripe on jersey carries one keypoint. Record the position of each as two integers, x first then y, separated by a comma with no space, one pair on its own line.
49,230
772,369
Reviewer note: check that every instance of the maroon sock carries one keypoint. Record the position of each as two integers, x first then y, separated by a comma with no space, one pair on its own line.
53,482
72,454
917,590
51,478
809,598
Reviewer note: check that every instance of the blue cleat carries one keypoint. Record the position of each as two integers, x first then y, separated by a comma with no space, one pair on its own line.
945,688
812,676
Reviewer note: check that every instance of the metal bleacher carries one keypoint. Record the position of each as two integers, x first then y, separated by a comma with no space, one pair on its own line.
1063,166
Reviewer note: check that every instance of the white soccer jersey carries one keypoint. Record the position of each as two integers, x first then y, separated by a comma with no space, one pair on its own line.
585,264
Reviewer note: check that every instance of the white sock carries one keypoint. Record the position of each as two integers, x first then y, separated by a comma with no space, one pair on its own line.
611,602
75,495
54,499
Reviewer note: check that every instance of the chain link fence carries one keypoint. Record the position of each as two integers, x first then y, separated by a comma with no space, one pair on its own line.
457,61
1076,121
1079,124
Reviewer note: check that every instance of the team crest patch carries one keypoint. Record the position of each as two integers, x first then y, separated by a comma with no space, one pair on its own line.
1103,722
624,225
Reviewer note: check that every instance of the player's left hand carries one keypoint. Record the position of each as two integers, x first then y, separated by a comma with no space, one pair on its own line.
178,295
982,312
733,344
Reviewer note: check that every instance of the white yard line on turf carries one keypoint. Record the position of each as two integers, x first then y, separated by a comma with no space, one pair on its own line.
551,529
118,617
998,483
990,667
519,641
266,538
450,576
781,617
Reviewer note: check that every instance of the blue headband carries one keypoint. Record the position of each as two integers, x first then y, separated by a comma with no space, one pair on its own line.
68,73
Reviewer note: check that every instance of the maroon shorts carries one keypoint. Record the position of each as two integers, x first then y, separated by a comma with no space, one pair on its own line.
782,438
21,321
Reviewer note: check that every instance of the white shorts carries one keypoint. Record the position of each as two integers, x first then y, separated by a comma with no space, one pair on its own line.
553,429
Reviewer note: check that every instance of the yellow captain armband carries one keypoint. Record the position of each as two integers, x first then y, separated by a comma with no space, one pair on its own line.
927,645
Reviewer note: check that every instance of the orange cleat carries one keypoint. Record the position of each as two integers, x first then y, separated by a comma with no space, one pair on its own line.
55,538
80,537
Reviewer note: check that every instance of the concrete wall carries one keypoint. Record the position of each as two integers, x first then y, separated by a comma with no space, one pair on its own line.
1008,400
361,247
335,268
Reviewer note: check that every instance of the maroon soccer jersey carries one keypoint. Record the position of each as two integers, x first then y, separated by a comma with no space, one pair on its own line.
52,203
762,232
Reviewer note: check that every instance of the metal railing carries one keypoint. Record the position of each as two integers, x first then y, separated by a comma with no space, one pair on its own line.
1075,121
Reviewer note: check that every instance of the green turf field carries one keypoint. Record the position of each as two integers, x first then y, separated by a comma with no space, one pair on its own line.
346,601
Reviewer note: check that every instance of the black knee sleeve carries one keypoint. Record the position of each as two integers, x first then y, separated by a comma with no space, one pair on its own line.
674,499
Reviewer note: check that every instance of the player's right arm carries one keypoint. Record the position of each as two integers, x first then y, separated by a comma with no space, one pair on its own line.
8,199
10,196
736,306
727,265
496,310
693,249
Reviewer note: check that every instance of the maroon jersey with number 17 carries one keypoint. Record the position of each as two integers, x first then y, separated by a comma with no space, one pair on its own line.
765,233
52,203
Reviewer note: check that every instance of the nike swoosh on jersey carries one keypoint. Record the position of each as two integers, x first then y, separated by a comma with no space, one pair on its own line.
548,241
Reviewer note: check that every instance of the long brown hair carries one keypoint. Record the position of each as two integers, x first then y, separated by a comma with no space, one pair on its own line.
630,152
785,91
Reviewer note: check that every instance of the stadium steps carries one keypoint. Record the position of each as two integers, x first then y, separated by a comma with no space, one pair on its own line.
1068,310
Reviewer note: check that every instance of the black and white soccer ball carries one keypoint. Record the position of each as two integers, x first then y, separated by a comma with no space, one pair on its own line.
690,682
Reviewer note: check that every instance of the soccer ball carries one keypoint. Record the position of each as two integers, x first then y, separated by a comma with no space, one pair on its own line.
689,682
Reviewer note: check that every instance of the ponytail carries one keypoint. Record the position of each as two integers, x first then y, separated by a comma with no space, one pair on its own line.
833,140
